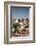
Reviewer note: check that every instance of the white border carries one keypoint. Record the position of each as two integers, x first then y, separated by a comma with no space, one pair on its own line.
30,37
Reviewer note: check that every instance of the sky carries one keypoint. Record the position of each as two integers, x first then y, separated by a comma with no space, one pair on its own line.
20,12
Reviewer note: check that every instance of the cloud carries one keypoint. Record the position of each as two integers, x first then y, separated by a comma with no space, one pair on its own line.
13,17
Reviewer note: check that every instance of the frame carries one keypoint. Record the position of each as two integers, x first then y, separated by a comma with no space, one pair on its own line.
8,20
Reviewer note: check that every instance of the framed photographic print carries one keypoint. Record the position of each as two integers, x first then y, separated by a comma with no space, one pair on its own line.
19,26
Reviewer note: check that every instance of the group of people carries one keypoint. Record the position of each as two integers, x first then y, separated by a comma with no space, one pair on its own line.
20,26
